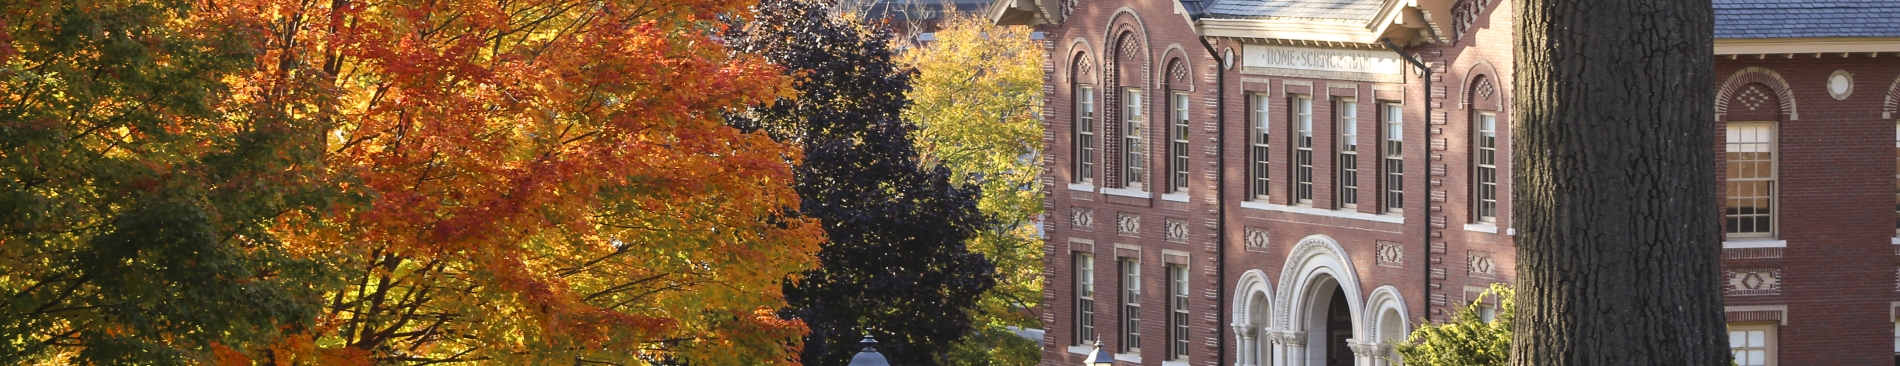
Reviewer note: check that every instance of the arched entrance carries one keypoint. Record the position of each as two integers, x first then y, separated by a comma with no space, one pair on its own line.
1319,311
1389,326
1328,326
1252,320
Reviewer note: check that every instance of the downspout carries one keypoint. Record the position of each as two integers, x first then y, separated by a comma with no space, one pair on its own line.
1220,194
1425,168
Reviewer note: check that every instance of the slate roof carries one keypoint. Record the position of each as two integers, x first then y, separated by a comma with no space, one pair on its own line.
1360,10
1806,18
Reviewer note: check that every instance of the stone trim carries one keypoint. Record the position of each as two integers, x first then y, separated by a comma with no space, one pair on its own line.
1891,109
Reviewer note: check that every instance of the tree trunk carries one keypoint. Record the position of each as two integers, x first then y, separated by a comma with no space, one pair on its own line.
1618,243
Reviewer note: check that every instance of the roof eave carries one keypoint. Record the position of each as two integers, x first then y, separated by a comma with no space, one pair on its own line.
1771,46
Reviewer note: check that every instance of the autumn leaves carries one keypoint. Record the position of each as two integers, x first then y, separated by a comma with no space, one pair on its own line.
306,182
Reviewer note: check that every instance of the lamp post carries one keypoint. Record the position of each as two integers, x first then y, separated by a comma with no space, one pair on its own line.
1099,358
869,356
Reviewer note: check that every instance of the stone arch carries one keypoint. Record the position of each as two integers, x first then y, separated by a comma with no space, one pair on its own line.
1891,109
1082,62
1252,318
1752,75
1387,324
1316,262
1179,71
1481,89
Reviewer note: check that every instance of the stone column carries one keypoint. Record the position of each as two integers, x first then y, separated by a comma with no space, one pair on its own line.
1293,352
1363,353
1246,346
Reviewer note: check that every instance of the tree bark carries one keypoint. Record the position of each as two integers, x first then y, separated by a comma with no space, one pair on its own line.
1615,191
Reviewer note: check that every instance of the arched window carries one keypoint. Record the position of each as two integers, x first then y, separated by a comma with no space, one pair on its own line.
1134,121
1083,140
1177,127
1484,151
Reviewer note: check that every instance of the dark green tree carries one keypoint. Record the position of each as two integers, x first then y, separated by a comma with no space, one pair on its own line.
134,196
895,265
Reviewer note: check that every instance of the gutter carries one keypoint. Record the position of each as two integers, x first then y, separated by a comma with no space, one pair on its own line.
1425,167
1220,191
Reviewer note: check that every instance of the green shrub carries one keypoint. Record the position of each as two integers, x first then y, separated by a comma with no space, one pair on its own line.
1467,340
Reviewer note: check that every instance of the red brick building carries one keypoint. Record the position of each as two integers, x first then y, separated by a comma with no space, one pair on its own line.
1273,182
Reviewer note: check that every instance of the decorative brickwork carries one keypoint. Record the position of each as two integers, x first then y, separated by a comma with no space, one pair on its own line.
1748,282
1081,218
1127,224
1391,253
1256,239
1731,91
1480,264
1177,230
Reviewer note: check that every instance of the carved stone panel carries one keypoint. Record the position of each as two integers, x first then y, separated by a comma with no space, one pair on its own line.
1127,223
1391,254
1177,230
1748,282
1480,264
1255,239
1081,218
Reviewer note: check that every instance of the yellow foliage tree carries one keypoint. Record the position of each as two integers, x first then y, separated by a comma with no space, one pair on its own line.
977,102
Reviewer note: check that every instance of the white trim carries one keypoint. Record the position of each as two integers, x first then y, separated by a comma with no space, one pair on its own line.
1391,219
1482,228
1085,187
1755,46
1896,240
1128,192
1174,363
1128,357
1510,231
1754,243
1081,350
1176,197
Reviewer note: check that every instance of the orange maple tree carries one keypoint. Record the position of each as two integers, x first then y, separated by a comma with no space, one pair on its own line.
537,180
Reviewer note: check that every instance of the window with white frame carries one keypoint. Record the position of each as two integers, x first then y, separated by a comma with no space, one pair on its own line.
1178,144
1258,135
1131,305
1484,158
1084,298
1346,127
1302,150
1177,312
1084,134
1134,144
1750,163
1752,344
1392,153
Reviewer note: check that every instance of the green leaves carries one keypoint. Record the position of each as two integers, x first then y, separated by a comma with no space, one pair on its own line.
1467,339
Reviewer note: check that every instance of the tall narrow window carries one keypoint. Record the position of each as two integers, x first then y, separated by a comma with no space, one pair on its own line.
1346,182
1750,161
1177,312
1752,344
1084,298
1131,305
1134,170
1258,134
1896,195
1084,134
1392,150
1302,150
1484,158
1178,144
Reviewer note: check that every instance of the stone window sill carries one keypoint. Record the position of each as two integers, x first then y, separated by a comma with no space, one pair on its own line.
1126,192
1391,219
1754,243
